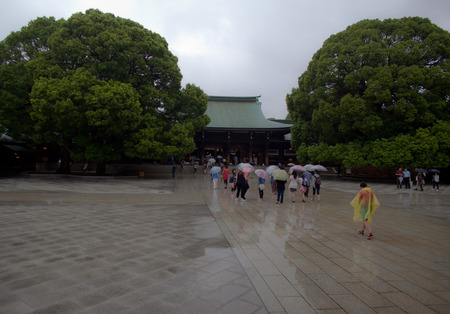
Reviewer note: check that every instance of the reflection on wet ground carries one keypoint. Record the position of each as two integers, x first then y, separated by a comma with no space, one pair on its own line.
89,244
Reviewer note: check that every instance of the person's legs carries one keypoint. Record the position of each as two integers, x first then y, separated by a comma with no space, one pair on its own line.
282,196
238,191
244,190
314,193
369,229
278,195
318,193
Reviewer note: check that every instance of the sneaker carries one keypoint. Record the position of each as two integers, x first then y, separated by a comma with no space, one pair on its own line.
236,199
243,200
370,236
277,203
361,232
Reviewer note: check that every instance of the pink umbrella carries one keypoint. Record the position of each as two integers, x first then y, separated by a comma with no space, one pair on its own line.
262,174
247,169
297,167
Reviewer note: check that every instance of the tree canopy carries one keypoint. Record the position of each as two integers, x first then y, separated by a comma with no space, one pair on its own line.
99,86
376,94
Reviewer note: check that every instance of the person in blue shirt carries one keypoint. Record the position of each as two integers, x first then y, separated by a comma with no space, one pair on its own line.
407,178
215,178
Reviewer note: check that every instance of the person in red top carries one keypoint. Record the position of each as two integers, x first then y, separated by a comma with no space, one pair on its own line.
225,173
399,175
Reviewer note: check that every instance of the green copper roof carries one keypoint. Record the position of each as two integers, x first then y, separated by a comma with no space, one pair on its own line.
239,113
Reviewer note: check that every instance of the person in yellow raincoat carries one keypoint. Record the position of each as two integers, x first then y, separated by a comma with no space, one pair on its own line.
364,205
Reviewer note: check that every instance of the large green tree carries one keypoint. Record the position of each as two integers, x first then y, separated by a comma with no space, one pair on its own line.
376,94
101,87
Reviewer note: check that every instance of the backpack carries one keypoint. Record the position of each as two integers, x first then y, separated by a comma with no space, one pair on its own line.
318,180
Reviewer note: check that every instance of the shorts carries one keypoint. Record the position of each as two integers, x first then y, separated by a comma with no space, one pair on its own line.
364,212
292,189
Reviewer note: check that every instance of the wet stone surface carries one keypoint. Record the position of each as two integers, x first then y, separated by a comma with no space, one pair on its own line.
160,245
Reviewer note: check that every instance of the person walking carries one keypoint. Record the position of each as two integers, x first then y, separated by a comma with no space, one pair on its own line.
233,179
307,178
226,174
261,186
215,178
242,184
364,205
316,182
435,180
281,186
399,175
293,185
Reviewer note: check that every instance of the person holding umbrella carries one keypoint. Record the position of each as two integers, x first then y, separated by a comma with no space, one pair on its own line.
242,186
262,176
280,176
316,186
214,171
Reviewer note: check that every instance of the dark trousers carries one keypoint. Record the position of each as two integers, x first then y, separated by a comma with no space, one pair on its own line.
407,183
261,193
280,195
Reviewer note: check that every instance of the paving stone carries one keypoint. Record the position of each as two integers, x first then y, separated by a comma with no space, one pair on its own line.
78,244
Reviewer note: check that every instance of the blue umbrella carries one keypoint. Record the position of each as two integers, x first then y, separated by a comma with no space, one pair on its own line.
214,169
434,170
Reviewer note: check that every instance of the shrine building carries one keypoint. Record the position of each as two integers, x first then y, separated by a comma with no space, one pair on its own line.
239,132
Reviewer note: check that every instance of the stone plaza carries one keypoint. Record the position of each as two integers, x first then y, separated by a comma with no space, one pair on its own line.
87,244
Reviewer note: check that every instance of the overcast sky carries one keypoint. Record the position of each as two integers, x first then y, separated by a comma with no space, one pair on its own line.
237,47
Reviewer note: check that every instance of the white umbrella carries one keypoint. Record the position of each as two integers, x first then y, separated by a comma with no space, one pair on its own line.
271,169
319,168
211,161
243,165
309,167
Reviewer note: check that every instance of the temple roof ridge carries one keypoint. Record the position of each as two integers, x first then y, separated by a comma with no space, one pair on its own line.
239,112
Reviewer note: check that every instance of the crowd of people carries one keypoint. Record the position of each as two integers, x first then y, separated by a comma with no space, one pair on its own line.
404,178
297,182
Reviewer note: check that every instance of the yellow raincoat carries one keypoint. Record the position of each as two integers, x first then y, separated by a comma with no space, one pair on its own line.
364,205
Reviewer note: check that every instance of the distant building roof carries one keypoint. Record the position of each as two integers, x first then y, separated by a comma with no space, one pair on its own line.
239,113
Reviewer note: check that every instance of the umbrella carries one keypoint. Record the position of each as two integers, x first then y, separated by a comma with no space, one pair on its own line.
271,169
243,165
290,164
262,174
297,167
319,168
211,161
215,169
247,169
309,167
280,175
434,170
420,170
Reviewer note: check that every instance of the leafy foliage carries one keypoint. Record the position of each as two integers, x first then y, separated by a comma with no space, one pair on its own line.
375,94
99,86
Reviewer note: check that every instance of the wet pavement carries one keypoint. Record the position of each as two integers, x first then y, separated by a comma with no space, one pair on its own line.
73,244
